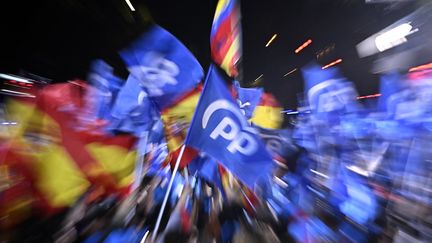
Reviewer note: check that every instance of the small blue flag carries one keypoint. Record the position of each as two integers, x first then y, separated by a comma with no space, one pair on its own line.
390,83
165,68
328,94
132,110
220,130
248,99
206,168
107,85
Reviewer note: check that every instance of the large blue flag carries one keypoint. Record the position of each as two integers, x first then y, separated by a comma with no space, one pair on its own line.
220,130
165,68
248,99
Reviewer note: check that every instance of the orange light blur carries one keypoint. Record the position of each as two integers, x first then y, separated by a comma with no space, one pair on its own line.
421,67
368,96
332,63
303,46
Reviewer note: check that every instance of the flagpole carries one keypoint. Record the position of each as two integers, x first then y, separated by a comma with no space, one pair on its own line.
139,163
158,221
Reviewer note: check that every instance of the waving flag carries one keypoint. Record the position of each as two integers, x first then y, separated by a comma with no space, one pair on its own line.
165,68
225,37
176,120
248,99
329,95
132,111
267,114
106,85
278,142
390,83
220,130
206,168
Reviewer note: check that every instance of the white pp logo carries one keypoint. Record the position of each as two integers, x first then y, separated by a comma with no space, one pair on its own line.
239,135
155,73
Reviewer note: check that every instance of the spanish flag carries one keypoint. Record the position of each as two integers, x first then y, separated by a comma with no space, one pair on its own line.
17,196
176,124
268,113
67,160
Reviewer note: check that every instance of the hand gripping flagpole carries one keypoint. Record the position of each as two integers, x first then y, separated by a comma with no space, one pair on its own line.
158,221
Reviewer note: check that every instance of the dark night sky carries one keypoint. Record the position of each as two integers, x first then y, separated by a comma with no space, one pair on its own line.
58,39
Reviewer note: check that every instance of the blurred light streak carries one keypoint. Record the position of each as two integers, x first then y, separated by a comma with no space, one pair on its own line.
290,112
8,123
394,37
271,40
358,170
303,46
145,237
319,173
16,93
258,77
332,63
76,83
14,78
368,96
130,5
18,84
421,67
288,73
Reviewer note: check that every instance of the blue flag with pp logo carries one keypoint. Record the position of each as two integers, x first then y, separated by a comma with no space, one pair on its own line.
165,68
220,130
329,94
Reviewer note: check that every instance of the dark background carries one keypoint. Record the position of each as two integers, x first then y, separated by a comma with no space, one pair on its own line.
58,38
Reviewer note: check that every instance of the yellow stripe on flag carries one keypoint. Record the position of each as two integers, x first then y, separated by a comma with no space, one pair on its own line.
117,161
58,177
228,61
267,117
221,6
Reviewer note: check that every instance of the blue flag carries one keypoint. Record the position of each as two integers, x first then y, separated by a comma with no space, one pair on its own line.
390,84
220,130
165,68
248,99
328,94
132,110
278,141
106,85
206,168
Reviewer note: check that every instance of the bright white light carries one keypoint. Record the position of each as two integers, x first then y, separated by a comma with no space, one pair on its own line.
16,93
393,37
145,237
18,79
258,77
130,5
319,173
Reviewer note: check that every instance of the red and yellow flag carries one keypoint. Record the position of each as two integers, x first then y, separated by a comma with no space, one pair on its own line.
225,37
176,122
